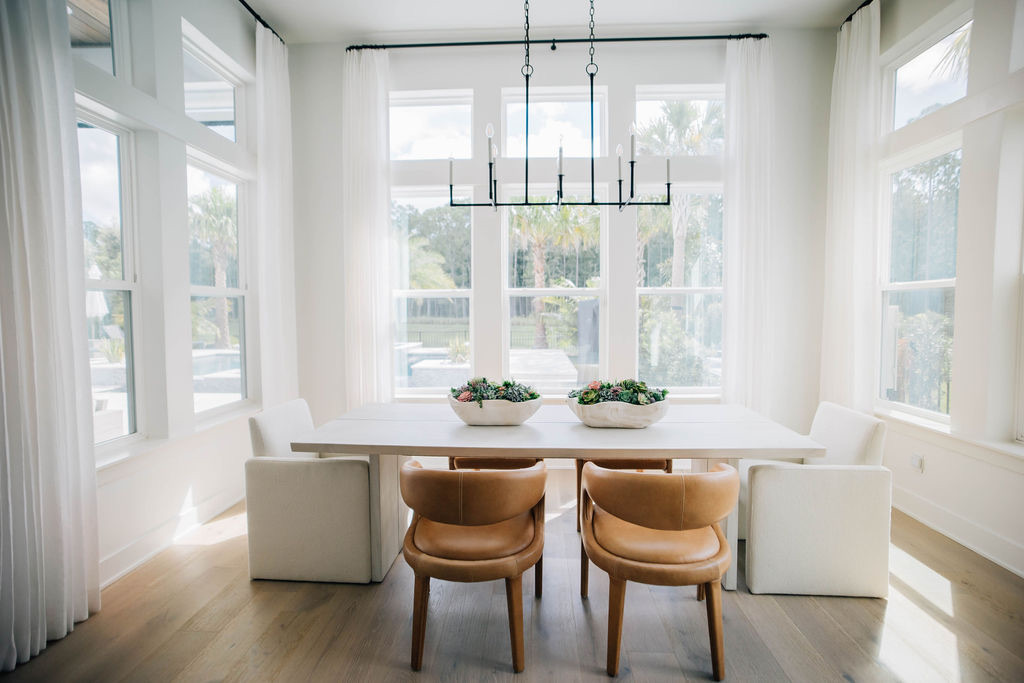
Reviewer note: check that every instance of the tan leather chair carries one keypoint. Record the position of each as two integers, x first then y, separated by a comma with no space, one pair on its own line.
659,529
474,526
636,465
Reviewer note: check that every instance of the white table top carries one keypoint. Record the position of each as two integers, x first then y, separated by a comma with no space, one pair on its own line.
687,431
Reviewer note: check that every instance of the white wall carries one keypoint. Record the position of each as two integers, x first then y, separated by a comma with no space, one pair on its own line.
179,471
804,64
972,484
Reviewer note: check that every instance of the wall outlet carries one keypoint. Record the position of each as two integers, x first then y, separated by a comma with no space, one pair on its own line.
917,462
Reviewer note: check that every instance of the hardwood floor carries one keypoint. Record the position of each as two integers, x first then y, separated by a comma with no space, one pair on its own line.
192,614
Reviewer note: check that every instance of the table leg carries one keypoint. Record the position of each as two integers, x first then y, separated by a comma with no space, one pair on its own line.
730,525
388,518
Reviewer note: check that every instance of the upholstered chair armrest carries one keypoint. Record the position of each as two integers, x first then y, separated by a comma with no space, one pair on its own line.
819,530
308,517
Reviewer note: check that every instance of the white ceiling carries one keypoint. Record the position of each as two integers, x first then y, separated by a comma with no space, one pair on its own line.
310,21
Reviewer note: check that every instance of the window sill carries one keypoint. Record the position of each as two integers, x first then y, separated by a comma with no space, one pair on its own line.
130,448
1006,454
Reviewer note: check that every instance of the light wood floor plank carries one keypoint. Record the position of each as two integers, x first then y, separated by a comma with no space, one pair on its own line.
192,614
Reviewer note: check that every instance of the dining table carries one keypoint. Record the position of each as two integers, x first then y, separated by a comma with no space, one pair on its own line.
389,433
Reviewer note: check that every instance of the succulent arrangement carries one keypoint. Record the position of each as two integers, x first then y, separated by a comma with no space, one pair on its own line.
625,391
479,389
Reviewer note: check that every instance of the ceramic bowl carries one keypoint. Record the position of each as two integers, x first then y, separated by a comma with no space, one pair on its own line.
618,414
494,411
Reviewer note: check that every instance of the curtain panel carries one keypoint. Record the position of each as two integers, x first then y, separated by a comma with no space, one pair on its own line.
848,369
366,228
49,567
275,235
749,96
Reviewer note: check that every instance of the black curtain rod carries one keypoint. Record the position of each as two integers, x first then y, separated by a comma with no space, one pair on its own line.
859,8
260,19
554,41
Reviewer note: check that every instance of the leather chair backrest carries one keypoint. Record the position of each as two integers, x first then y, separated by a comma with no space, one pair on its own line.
471,497
670,502
273,430
849,436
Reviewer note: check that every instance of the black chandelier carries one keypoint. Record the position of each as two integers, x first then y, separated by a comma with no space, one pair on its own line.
492,181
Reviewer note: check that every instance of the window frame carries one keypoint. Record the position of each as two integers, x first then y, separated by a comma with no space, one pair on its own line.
887,168
681,92
684,188
906,51
129,281
429,98
193,42
508,190
467,293
249,344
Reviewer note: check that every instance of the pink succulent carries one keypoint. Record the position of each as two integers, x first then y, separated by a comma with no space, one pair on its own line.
465,397
595,385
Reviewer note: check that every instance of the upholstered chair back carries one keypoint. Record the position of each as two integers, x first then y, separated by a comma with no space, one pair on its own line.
849,437
657,500
273,430
471,497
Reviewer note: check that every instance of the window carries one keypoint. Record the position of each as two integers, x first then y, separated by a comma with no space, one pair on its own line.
932,79
218,291
109,281
431,125
554,294
209,96
679,280
680,122
919,286
432,281
557,116
89,23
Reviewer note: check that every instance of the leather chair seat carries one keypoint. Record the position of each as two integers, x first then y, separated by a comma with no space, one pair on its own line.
468,463
630,464
642,544
483,542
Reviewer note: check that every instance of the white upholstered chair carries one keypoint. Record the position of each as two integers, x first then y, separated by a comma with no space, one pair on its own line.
822,527
308,516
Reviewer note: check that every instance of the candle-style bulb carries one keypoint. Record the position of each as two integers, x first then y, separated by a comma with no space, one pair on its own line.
494,151
618,150
489,130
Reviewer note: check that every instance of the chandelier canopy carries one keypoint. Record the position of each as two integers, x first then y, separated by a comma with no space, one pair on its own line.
492,181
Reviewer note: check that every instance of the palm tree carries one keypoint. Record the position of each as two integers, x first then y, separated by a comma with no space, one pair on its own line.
214,227
539,228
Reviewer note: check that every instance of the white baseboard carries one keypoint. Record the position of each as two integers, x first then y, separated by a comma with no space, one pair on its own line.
121,561
1003,551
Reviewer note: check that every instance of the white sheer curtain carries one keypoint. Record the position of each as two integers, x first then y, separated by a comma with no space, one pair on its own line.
274,228
49,567
847,344
366,226
749,97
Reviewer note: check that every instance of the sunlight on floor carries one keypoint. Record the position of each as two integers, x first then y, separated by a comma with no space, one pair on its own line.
215,532
915,645
928,583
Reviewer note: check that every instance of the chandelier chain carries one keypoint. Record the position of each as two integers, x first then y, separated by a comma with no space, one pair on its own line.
592,66
527,68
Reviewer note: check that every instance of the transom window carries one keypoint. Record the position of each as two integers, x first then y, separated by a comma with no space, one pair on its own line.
89,24
431,125
209,95
680,121
932,79
558,116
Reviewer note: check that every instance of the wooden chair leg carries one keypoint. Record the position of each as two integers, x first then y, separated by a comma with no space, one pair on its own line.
420,600
701,588
538,578
579,488
616,603
514,597
714,602
584,572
